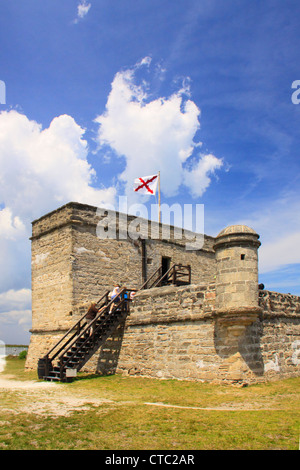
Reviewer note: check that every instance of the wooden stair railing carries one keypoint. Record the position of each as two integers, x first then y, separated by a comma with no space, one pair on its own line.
76,347
177,274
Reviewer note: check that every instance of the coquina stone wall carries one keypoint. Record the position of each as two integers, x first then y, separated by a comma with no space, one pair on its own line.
73,264
279,334
167,335
174,332
220,328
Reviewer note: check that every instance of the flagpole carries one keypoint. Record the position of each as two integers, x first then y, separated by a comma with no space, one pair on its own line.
159,211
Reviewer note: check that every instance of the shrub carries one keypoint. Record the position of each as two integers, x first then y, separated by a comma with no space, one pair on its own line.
23,354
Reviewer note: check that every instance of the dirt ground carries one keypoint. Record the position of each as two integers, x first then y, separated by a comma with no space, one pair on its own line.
54,400
45,398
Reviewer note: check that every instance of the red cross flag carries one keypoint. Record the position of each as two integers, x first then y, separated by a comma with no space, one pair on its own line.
146,185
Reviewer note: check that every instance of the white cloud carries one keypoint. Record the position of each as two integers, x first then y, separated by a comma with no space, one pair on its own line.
15,299
198,178
280,252
279,224
82,10
19,317
15,312
144,61
154,135
41,169
11,227
15,326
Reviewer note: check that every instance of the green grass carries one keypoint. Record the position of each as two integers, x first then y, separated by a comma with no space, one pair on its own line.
15,367
128,423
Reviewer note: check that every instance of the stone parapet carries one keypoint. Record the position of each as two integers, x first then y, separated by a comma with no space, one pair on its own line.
275,304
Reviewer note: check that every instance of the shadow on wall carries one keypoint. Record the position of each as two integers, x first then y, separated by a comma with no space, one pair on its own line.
110,352
238,346
233,340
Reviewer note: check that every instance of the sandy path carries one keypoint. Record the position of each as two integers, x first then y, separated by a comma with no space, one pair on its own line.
7,383
44,398
51,399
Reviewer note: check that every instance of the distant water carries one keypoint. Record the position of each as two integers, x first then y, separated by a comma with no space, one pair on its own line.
2,356
14,350
6,350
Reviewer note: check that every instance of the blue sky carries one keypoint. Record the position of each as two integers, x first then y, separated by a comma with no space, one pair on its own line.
103,91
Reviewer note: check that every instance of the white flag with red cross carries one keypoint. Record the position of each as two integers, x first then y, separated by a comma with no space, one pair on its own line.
146,185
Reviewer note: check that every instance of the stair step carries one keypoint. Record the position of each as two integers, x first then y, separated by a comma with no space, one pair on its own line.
57,379
54,374
76,356
49,378
73,353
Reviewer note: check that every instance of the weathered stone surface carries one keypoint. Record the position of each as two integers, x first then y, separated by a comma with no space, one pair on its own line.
237,270
72,266
219,329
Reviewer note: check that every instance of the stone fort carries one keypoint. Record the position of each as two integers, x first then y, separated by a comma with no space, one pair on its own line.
219,326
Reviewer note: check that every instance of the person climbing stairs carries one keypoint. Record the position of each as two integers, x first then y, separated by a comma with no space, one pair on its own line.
91,331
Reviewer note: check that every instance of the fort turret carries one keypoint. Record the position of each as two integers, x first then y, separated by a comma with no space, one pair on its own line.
237,303
237,272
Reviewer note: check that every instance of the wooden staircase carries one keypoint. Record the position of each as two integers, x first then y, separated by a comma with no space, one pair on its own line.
83,339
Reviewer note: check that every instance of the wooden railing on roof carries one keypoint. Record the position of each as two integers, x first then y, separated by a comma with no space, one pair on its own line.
177,274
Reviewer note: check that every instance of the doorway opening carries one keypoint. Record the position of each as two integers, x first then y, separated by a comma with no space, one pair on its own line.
165,266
